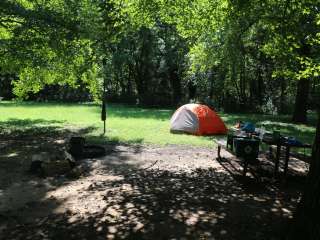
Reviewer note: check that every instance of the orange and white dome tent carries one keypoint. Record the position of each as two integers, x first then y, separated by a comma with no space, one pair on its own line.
197,119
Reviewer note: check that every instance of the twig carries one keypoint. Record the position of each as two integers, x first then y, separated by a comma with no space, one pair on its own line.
151,165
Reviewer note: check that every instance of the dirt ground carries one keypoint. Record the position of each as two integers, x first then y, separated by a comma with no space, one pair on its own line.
143,192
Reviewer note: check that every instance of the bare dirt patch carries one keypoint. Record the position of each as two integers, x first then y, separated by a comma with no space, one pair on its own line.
141,192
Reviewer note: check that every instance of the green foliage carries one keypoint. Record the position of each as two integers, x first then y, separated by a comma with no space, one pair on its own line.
243,55
50,42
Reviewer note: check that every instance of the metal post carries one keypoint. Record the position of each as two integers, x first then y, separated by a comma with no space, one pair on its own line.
103,110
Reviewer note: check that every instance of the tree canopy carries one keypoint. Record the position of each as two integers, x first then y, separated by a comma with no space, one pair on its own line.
242,55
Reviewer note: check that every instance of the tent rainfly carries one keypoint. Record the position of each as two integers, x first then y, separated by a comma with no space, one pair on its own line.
197,119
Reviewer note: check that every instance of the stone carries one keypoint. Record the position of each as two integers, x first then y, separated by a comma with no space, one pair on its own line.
51,164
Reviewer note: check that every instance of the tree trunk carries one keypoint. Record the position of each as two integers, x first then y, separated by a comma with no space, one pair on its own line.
6,85
282,106
307,223
176,85
252,92
144,67
234,79
261,86
301,103
129,86
141,89
212,74
192,88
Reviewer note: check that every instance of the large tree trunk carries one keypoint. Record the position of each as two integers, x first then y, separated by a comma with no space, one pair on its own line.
192,87
6,85
262,68
282,106
143,67
211,83
176,85
307,219
301,103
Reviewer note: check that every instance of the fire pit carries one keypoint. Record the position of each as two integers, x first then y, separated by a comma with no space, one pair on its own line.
79,150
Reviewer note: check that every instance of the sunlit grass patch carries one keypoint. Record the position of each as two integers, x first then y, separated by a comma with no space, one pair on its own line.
129,124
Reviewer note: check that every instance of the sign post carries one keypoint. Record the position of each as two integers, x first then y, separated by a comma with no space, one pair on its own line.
103,110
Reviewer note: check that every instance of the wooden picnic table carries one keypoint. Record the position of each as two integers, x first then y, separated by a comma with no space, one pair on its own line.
282,143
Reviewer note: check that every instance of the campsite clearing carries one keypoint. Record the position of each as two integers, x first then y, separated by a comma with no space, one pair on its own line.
150,185
140,192
129,124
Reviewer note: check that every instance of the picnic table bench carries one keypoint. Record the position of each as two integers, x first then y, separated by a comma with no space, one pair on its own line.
280,144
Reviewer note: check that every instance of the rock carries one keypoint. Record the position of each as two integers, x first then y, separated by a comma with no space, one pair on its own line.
51,164
56,167
77,172
76,146
35,167
37,161
69,157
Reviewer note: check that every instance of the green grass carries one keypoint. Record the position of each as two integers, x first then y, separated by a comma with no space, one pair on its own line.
129,124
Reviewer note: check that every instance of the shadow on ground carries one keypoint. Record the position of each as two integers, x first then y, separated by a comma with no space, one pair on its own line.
124,111
20,191
278,120
134,201
18,129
